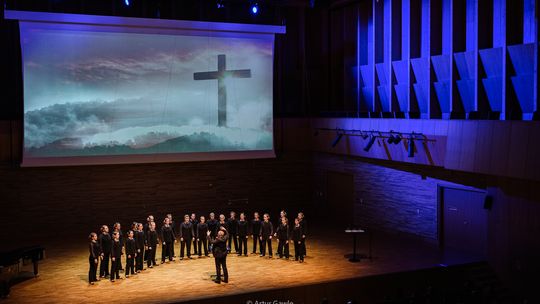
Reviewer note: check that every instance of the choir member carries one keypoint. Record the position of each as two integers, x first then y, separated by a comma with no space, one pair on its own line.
187,232
282,214
116,253
118,228
149,220
194,222
202,229
139,242
298,240
134,226
95,252
151,245
219,250
220,223
167,239
265,234
255,229
242,234
131,253
303,224
212,224
173,226
105,243
282,234
232,229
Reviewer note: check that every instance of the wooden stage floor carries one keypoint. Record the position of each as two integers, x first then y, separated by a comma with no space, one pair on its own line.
63,274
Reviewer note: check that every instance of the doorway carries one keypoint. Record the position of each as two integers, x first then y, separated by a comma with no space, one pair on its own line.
463,223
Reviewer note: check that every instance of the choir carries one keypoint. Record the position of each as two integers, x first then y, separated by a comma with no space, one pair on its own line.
141,241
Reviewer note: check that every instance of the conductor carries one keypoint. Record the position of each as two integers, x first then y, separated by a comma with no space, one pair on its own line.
219,250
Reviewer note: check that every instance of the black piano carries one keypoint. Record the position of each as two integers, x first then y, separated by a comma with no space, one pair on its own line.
12,262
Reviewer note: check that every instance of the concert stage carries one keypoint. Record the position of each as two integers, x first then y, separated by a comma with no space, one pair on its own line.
64,272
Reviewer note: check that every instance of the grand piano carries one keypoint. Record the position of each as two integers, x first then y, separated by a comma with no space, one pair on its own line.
12,262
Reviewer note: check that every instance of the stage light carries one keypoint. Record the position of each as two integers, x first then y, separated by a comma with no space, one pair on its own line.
397,139
390,139
370,143
126,2
410,146
337,139
364,136
220,4
255,8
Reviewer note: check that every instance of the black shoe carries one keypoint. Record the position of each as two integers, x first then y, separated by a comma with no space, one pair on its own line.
217,281
226,281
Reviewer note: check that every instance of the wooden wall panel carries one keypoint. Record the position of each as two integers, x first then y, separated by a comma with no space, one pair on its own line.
79,199
483,139
501,148
468,145
519,142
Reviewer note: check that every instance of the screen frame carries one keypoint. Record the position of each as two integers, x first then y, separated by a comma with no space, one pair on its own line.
144,25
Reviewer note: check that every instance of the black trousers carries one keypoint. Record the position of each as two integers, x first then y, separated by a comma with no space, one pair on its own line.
256,240
242,245
304,246
172,250
185,243
93,270
299,250
221,263
195,246
139,260
130,265
233,239
283,248
166,251
115,269
150,256
104,266
203,244
264,242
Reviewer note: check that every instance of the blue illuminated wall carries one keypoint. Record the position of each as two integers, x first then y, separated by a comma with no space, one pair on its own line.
458,59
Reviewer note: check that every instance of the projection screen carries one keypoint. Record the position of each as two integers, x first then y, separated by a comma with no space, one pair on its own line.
106,90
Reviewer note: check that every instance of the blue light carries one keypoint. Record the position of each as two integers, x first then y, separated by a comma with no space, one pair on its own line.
254,8
126,2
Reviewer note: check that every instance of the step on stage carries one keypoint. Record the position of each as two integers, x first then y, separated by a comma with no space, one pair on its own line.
64,272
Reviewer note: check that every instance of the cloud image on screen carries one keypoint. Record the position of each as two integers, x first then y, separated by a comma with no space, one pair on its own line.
90,93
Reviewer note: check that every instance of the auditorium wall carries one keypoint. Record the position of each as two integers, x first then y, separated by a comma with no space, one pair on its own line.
72,201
